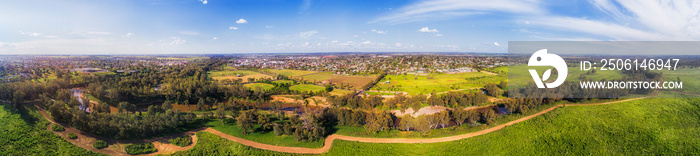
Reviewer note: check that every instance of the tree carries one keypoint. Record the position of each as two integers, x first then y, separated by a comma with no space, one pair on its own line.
459,115
221,115
264,122
472,116
200,104
166,105
488,116
123,106
245,121
491,89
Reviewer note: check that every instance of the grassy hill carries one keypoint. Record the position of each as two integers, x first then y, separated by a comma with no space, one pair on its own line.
24,132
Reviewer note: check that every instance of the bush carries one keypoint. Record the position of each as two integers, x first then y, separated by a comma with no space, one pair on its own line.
182,141
57,128
72,136
143,148
99,144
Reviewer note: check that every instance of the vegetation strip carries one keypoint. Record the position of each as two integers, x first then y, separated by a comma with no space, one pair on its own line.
329,140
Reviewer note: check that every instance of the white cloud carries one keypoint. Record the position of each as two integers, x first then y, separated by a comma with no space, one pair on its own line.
426,29
191,33
35,34
269,27
448,9
242,21
366,42
633,20
233,28
398,45
438,35
32,34
496,44
99,33
378,31
204,1
177,40
215,38
356,36
307,34
128,35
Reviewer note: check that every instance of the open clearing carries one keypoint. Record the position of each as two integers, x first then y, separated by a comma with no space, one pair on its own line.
306,87
353,81
290,72
264,86
237,74
420,84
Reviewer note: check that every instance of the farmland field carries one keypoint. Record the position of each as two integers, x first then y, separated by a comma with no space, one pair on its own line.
290,72
420,84
305,87
232,74
264,86
355,82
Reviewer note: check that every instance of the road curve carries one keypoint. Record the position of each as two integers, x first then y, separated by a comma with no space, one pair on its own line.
329,140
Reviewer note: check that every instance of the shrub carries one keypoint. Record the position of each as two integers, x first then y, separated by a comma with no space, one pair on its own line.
182,141
143,148
72,136
57,128
99,144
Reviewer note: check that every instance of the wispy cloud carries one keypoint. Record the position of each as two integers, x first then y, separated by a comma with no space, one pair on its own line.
128,35
448,9
307,34
233,28
304,7
177,41
378,31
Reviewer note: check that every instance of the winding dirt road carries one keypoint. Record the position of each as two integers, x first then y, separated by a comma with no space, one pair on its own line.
164,147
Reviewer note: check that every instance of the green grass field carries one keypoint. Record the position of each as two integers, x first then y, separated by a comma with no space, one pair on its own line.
233,74
339,92
264,86
689,77
283,81
211,144
354,81
290,72
24,132
642,127
440,83
520,76
305,87
262,137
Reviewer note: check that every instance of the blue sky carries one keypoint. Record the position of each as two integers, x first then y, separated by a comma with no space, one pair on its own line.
279,26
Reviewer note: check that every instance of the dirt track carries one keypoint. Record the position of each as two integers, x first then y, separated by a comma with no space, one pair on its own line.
164,147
